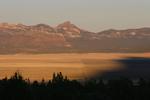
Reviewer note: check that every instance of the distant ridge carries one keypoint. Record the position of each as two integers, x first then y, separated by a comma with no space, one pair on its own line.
67,37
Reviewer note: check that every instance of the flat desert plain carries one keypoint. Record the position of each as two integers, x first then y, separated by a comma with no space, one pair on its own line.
74,65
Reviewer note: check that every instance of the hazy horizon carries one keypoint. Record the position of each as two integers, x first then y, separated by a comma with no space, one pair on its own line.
93,15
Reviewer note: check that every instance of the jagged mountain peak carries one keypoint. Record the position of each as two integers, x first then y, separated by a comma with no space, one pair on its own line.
69,29
66,23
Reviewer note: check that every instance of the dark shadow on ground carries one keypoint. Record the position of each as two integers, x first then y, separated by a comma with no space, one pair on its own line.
134,67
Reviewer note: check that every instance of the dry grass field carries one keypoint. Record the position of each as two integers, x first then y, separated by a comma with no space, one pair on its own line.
75,65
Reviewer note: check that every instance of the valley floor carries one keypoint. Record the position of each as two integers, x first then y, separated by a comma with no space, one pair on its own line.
74,65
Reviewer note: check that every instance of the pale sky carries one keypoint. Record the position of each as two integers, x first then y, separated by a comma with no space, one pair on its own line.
93,15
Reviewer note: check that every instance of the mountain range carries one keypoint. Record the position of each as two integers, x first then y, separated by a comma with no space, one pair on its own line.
67,37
